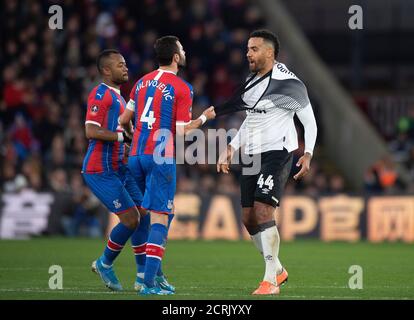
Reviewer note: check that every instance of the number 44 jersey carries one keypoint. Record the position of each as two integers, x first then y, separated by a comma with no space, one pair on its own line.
159,100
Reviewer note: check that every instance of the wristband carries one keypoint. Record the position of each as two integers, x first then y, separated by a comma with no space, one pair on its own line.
203,119
120,137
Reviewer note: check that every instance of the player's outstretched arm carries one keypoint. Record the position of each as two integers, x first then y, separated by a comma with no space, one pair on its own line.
184,128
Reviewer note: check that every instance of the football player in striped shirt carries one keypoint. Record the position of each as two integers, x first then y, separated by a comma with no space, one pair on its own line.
104,168
160,103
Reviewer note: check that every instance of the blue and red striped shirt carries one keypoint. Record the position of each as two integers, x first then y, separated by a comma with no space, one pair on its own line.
160,99
105,105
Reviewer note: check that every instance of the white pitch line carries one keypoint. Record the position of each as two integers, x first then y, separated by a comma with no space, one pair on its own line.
73,291
288,286
58,291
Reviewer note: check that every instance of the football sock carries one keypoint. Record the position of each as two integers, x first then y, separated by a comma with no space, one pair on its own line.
117,239
170,218
257,240
279,267
268,236
139,240
256,237
154,251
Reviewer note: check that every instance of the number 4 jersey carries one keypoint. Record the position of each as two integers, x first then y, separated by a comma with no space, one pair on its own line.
160,100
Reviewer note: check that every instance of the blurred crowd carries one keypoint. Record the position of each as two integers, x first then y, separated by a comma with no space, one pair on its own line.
384,175
47,75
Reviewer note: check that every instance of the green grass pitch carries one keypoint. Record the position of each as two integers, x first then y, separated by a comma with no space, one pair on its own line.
210,270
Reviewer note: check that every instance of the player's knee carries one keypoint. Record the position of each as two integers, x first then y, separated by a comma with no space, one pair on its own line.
246,221
130,219
159,218
248,217
263,212
133,224
249,223
142,212
252,229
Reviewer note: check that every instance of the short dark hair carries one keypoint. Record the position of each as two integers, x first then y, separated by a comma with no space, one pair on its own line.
165,48
268,36
104,55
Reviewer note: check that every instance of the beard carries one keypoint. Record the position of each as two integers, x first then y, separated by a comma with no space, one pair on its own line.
121,79
256,66
182,63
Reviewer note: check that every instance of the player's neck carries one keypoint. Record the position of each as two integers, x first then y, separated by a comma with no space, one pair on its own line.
266,69
112,84
171,68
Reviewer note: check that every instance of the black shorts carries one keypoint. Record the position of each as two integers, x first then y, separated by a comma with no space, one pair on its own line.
267,186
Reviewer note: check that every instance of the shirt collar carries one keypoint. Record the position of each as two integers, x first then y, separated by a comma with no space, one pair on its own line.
163,70
115,89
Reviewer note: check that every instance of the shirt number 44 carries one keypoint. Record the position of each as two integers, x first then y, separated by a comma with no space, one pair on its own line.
268,182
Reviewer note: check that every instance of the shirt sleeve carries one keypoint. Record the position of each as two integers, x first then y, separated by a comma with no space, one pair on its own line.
131,105
132,93
184,106
97,108
239,139
307,118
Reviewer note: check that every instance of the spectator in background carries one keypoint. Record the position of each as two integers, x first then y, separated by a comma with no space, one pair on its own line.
336,184
410,167
400,147
62,209
56,158
86,216
12,93
12,181
383,177
32,170
406,125
50,125
227,185
22,136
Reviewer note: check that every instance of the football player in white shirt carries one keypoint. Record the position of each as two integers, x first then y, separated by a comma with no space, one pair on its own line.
269,131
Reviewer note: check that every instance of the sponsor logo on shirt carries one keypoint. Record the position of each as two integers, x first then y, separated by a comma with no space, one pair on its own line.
257,111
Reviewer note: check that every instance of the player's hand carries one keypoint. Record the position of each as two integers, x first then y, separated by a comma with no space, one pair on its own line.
223,163
210,113
304,161
127,137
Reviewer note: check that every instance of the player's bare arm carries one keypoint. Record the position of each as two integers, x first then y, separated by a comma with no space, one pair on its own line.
93,131
223,163
304,162
208,114
125,121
